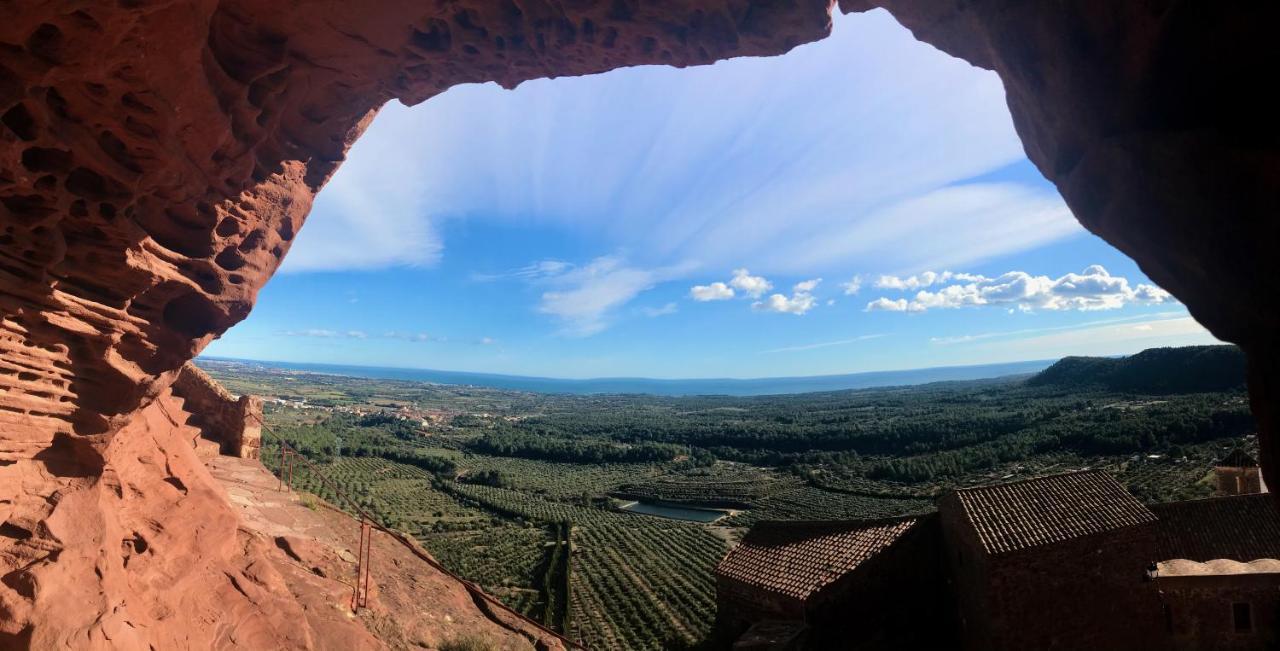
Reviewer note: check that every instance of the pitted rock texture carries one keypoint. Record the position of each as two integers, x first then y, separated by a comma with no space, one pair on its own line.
157,158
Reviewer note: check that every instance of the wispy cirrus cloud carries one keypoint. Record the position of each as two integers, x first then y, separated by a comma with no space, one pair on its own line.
585,299
1093,289
1145,319
824,344
321,333
859,146
662,310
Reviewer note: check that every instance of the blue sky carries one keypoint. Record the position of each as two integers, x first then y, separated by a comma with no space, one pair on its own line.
672,223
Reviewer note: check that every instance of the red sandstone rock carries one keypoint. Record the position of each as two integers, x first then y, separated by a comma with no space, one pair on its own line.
157,158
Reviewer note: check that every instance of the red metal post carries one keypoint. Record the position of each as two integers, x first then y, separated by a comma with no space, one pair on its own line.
283,451
355,585
368,550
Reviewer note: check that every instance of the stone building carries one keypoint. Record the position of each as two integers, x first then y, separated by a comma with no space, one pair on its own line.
1063,562
833,579
1238,474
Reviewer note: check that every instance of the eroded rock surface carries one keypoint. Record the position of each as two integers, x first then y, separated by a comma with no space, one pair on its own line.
158,157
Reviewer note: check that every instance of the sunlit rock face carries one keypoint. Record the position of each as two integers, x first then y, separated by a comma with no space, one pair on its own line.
157,159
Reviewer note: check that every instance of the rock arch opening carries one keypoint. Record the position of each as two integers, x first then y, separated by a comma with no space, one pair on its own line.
157,160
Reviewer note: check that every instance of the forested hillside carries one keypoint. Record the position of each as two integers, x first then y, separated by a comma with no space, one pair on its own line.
1153,371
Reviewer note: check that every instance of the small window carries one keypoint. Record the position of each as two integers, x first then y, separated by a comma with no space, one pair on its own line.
1242,615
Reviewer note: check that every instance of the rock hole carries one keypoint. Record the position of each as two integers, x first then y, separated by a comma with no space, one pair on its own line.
45,159
194,316
47,183
30,207
285,230
107,210
56,103
84,182
227,227
46,43
118,151
176,483
230,259
254,240
20,122
11,530
435,39
97,90
132,102
79,208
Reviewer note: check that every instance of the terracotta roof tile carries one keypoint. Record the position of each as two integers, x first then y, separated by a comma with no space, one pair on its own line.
1046,510
798,559
1237,459
1241,528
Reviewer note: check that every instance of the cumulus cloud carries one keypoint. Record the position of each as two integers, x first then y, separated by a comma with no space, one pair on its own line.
753,286
852,286
800,301
1093,289
922,280
714,292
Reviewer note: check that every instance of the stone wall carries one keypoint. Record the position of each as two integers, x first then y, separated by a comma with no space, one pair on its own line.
899,599
1088,592
1238,481
235,423
1198,611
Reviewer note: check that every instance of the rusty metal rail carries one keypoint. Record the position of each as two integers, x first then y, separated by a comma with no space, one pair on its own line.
368,524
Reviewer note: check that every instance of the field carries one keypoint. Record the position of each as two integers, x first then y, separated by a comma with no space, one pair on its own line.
519,492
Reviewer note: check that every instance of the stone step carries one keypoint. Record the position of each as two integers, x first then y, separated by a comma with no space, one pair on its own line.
206,449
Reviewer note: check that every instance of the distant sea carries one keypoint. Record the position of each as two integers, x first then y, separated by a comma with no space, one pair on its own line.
665,387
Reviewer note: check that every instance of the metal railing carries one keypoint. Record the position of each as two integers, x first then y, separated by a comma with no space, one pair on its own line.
368,524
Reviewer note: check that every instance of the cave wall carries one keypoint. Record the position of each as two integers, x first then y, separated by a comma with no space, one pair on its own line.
158,156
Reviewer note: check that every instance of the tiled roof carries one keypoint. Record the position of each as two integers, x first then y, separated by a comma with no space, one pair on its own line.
1033,512
798,559
1238,459
1241,528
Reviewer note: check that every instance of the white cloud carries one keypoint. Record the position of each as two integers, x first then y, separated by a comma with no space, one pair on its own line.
716,291
753,286
1093,289
487,341
925,279
891,305
852,286
752,159
587,296
669,308
800,301
797,304
806,286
